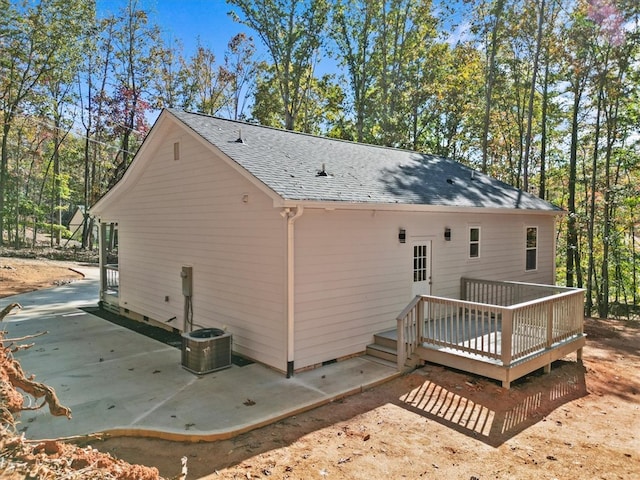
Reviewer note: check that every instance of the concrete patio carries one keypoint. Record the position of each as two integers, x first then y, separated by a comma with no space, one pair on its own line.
121,382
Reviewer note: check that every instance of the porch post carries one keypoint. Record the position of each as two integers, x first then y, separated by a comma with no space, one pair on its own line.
102,246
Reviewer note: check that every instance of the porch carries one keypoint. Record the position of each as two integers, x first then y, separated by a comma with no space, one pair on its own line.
501,330
109,287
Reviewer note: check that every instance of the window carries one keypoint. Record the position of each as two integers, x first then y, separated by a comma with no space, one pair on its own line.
474,242
532,248
419,263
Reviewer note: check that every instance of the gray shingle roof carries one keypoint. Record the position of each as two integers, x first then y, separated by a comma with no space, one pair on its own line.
289,162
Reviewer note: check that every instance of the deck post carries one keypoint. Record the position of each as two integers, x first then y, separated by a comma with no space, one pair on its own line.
550,323
463,289
401,345
420,321
506,341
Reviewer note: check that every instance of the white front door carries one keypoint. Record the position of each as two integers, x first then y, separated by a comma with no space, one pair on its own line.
421,268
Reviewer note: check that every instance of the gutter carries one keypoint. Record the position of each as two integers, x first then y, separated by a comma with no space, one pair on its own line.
291,214
420,208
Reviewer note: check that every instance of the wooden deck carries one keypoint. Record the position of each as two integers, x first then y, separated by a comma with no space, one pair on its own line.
501,330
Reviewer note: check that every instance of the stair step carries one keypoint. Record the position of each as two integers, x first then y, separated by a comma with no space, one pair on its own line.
381,361
383,352
386,339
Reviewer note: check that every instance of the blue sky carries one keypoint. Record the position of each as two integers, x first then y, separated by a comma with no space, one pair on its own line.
187,20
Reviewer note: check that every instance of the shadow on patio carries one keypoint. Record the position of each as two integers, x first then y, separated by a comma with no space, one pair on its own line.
480,409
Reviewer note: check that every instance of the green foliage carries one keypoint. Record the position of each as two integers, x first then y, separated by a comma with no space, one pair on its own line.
292,31
396,75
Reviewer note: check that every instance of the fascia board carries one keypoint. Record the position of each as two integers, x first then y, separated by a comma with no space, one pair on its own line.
414,208
137,166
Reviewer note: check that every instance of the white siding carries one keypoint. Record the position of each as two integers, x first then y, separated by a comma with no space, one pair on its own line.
353,277
191,212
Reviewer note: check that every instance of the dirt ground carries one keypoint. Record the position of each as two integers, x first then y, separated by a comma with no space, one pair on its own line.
19,275
580,421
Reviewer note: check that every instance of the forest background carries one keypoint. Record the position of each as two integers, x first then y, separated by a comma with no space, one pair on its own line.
542,94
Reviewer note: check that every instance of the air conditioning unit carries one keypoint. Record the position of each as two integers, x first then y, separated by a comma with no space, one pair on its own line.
206,350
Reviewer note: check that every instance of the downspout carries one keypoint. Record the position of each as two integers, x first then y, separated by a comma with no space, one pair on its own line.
291,215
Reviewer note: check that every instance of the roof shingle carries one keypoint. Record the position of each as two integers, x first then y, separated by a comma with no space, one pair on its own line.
289,163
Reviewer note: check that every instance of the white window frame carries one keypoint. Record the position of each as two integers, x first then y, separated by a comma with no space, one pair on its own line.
530,248
472,242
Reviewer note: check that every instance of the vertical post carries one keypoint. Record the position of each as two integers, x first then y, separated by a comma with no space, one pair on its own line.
102,258
506,341
550,322
420,321
401,347
579,316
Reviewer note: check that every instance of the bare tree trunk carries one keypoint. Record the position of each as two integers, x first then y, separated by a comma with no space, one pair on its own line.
4,159
573,271
542,188
532,92
490,82
592,207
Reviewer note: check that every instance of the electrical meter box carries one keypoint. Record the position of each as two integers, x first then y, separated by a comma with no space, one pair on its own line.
187,281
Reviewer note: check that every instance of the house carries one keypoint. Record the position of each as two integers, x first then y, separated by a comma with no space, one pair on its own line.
76,219
305,247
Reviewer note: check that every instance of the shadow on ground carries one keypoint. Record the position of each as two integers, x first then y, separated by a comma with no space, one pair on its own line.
477,407
168,337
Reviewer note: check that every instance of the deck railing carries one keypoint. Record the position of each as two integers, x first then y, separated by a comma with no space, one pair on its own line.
504,293
111,277
498,321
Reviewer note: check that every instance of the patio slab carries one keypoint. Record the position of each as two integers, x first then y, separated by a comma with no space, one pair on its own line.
121,382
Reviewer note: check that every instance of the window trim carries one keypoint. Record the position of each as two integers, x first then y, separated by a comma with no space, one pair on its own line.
528,249
471,242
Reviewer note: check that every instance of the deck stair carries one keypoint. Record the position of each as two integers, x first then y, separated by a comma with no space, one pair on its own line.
384,346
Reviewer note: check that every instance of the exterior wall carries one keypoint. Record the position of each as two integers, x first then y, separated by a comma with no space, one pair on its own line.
192,211
353,276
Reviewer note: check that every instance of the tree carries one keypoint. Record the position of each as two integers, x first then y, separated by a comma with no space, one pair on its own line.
134,71
355,26
168,81
34,36
494,26
577,65
205,83
241,68
322,104
292,31
532,94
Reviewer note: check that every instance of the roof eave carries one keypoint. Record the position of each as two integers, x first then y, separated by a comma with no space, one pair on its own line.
133,170
402,207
